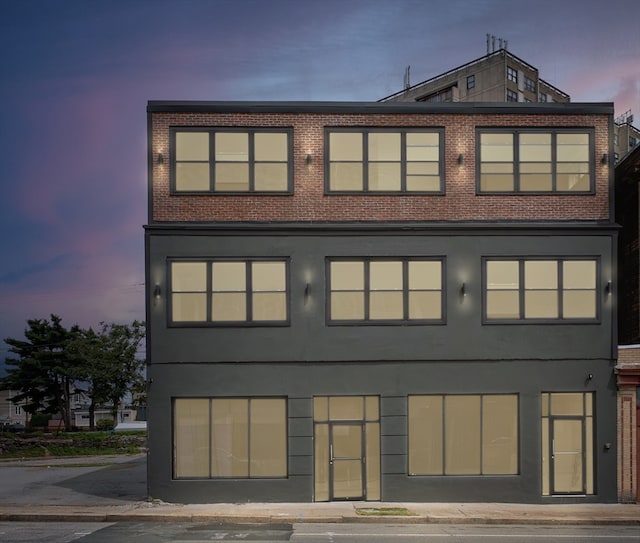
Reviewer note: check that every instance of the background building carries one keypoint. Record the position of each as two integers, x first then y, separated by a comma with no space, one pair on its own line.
381,301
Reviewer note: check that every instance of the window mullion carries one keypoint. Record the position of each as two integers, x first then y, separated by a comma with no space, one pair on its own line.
521,288
405,290
209,292
367,290
516,162
554,163
560,293
365,161
249,290
212,161
403,161
251,159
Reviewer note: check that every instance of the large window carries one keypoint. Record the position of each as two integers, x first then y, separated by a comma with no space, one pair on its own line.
541,289
384,161
512,74
229,437
535,161
230,161
381,290
463,434
229,291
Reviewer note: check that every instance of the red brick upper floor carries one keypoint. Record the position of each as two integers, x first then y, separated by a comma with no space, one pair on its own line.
308,161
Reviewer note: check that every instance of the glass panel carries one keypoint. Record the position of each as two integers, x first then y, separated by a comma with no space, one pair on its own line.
188,307
588,404
347,275
384,176
372,467
535,147
321,463
347,479
188,276
268,276
423,168
541,304
192,176
567,456
546,478
425,435
271,177
229,306
503,274
345,176
347,305
229,438
423,146
572,182
572,147
496,182
503,304
589,454
496,147
268,430
229,276
232,177
462,435
545,404
566,403
536,182
192,146
372,407
541,274
345,146
386,305
384,146
385,275
579,304
320,408
270,306
579,274
347,441
232,146
425,305
425,275
346,408
270,146
499,434
191,434
423,183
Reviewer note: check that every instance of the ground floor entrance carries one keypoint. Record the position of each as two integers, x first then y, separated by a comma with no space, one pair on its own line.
346,448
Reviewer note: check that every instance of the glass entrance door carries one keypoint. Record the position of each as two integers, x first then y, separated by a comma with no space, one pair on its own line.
346,461
567,456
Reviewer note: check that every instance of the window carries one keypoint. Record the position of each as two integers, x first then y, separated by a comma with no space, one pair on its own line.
17,410
567,443
543,97
471,81
632,142
463,434
535,161
541,289
512,74
231,161
512,96
529,84
385,291
229,437
229,291
384,161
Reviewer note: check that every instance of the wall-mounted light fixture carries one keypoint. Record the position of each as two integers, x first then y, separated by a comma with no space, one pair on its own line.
605,159
608,288
308,159
460,159
307,292
160,158
463,290
157,292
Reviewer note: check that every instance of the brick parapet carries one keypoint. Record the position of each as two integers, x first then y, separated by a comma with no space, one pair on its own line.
310,203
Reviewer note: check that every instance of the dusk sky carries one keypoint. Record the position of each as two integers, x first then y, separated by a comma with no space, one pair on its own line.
76,76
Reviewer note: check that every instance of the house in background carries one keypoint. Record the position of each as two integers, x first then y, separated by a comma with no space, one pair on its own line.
381,301
11,414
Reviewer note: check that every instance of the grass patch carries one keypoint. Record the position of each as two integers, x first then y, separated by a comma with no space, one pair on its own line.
384,512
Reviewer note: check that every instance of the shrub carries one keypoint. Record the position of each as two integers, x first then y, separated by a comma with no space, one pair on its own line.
105,424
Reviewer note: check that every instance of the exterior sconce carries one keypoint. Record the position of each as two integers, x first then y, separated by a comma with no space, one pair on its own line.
160,158
157,292
307,293
605,159
460,159
609,288
308,159
463,290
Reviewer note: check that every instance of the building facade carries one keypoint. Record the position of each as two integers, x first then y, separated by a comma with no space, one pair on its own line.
381,301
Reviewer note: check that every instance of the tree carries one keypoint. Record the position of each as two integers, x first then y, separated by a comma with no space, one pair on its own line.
43,372
110,365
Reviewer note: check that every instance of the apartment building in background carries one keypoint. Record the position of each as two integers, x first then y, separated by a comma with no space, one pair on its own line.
501,76
381,301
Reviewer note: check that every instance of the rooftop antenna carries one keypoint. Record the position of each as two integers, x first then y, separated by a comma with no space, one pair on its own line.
407,77
491,44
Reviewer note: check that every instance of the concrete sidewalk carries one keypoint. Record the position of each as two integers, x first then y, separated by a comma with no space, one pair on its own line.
113,489
347,512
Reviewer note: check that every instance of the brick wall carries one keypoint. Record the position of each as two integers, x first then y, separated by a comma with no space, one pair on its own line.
309,202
